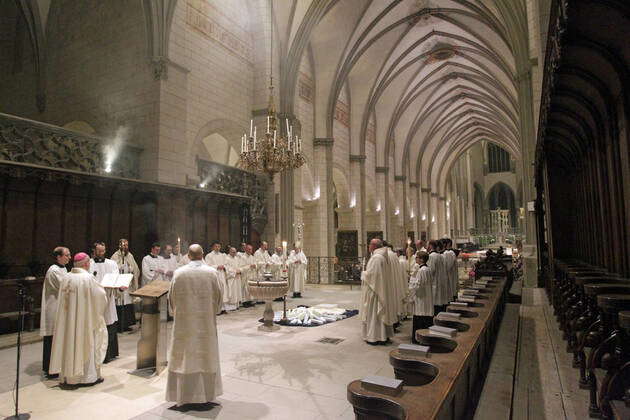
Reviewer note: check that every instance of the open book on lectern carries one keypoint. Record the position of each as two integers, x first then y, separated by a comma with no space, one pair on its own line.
115,280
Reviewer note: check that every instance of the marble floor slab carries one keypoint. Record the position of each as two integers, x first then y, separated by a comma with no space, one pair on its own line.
286,374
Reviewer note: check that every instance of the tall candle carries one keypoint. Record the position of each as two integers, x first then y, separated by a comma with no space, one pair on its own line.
288,128
284,248
251,127
268,132
274,139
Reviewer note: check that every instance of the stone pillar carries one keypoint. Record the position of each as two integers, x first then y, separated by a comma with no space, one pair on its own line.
399,232
425,205
433,216
441,219
416,216
382,200
357,193
322,162
470,220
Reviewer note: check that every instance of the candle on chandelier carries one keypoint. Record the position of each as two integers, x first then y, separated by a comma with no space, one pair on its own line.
251,127
242,143
274,139
288,136
268,132
254,139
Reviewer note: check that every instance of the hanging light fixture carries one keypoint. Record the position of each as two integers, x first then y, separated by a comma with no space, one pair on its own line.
272,152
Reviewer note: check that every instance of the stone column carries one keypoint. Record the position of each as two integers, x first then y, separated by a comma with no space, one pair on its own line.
416,216
382,200
399,229
357,193
441,219
322,162
470,220
433,216
425,205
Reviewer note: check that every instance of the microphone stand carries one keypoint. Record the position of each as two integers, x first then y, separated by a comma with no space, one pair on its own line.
22,297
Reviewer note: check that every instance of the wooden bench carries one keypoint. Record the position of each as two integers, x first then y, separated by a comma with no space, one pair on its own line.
442,385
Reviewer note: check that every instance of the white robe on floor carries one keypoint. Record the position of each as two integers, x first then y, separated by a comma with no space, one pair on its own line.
80,339
127,264
298,265
234,285
377,310
421,291
216,259
194,371
50,294
98,270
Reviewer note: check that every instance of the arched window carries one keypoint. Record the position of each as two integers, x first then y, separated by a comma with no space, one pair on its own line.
498,159
217,149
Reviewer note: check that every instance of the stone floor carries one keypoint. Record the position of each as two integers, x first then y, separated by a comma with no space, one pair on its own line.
278,375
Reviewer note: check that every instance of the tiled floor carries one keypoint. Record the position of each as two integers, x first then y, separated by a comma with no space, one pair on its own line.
278,375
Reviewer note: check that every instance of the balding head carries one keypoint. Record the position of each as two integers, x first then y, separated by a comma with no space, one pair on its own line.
375,243
195,252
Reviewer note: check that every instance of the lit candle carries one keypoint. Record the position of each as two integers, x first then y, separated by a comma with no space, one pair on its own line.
284,248
254,139
274,139
251,127
179,246
288,135
268,125
242,143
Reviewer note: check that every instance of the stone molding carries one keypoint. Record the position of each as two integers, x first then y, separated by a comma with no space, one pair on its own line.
425,190
435,194
400,178
382,169
414,184
357,158
323,141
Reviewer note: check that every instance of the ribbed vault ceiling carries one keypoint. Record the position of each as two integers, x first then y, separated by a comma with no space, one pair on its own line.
436,75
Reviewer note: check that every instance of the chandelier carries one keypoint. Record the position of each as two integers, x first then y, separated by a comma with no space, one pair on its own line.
272,152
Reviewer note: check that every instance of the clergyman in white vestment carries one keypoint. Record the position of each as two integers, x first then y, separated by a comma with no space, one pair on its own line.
216,260
298,263
249,271
194,372
277,263
421,294
233,280
50,294
378,308
124,305
169,263
99,266
152,266
80,339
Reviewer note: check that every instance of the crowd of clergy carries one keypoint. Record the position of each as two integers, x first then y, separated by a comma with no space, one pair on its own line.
81,315
419,281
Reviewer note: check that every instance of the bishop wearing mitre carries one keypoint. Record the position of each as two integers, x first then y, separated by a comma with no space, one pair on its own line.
233,280
124,305
216,260
80,339
378,306
298,262
194,372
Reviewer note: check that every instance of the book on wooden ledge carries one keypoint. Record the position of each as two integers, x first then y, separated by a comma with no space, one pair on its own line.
116,281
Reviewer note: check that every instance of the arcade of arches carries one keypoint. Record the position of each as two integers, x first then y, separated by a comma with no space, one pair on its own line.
419,119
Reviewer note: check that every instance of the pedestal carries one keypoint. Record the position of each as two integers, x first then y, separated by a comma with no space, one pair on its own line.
268,315
152,342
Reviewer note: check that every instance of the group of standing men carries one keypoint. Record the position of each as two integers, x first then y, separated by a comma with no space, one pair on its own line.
421,282
79,315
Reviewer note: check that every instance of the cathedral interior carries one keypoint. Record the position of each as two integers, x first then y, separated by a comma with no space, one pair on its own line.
500,124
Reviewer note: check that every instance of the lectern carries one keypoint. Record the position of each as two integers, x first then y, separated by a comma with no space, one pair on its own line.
152,342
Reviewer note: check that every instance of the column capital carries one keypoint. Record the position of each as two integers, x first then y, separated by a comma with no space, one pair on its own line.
434,194
442,198
357,158
400,178
414,184
382,169
323,141
425,190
